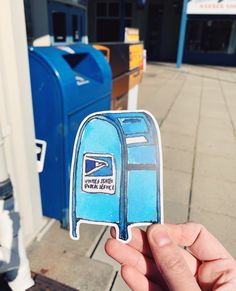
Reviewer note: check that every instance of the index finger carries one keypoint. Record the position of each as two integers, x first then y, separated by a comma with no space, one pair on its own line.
139,241
201,243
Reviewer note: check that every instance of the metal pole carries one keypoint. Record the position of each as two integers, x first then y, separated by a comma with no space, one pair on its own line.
183,24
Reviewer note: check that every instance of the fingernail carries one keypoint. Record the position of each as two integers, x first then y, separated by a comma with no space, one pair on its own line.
161,238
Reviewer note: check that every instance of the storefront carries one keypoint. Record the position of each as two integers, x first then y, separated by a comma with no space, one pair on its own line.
208,35
108,18
211,32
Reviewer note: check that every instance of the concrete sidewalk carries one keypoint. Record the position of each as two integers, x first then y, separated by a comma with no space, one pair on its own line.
196,110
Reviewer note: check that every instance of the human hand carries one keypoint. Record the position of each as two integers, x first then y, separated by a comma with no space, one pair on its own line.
154,260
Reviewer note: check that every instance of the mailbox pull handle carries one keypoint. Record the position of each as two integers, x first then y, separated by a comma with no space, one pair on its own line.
41,146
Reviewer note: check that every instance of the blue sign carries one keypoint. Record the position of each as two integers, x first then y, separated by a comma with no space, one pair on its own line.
116,176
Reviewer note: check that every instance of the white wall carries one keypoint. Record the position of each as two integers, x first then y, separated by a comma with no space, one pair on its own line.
17,117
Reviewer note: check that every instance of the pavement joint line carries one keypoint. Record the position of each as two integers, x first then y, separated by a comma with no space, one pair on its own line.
98,242
216,156
179,149
200,209
209,77
215,178
195,151
227,108
45,230
173,102
113,281
174,132
184,71
222,69
177,170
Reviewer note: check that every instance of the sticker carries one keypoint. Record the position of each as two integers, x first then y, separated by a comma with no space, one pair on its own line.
99,174
41,146
81,81
116,173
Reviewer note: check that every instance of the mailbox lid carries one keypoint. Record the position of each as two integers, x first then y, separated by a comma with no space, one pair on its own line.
82,72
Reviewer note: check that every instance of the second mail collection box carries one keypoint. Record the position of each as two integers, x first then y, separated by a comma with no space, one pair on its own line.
126,61
68,83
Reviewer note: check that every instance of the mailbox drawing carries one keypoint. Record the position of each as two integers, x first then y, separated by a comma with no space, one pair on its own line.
116,173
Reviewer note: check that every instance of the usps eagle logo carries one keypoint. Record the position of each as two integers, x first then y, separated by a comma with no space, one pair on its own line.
98,173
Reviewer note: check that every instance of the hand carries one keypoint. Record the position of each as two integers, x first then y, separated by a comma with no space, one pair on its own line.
155,260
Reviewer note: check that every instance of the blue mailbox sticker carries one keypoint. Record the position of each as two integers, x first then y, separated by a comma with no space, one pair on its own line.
116,174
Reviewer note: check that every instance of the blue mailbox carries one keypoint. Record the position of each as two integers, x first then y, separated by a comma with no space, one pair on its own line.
116,175
68,83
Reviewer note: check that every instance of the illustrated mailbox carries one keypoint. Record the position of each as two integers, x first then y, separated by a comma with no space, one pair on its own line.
116,175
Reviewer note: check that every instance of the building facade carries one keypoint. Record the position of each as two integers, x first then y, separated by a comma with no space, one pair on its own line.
211,32
210,36
157,20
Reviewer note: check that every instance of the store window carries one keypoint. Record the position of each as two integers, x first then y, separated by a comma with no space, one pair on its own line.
101,9
108,19
59,26
128,10
82,26
75,30
211,36
113,10
108,29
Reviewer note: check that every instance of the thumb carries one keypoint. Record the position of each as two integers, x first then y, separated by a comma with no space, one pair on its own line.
169,260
